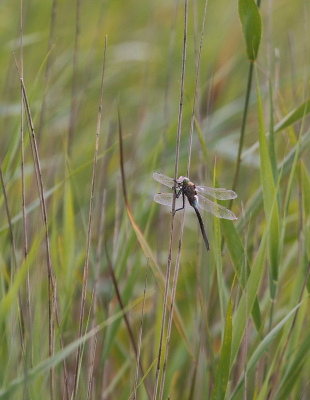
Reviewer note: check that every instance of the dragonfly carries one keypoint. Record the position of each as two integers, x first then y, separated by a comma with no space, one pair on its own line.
195,196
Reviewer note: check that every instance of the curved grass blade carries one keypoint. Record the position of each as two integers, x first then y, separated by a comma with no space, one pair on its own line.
293,116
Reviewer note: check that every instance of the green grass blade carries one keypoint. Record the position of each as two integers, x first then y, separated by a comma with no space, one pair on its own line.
305,185
271,144
219,271
222,375
251,26
294,116
291,179
236,252
255,277
254,205
269,192
68,239
44,366
291,375
19,279
261,348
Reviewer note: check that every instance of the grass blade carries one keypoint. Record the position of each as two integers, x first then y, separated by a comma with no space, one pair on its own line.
236,252
251,26
269,192
294,116
252,286
222,375
262,347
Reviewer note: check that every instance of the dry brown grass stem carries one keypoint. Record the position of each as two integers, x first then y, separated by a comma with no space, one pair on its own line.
73,112
92,343
93,354
38,173
47,66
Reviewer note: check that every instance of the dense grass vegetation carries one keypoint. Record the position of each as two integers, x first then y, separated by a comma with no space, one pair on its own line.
90,278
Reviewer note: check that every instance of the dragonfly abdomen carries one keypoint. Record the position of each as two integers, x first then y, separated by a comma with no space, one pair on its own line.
202,228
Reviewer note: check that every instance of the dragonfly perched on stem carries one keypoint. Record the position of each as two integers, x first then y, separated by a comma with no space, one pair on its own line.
185,188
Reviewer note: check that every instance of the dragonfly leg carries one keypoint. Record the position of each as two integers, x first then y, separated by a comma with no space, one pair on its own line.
177,196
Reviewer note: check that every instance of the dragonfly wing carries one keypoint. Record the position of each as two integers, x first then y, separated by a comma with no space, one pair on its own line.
217,193
216,209
166,200
163,179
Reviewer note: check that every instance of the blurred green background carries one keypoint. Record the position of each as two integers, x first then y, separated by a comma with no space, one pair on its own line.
62,63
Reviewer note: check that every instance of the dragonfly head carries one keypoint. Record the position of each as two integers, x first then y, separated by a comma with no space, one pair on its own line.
183,180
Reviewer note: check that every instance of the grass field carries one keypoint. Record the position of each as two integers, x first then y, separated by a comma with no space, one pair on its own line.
95,275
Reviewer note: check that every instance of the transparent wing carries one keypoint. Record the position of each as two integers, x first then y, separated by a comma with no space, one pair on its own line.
163,198
216,209
165,180
166,200
217,193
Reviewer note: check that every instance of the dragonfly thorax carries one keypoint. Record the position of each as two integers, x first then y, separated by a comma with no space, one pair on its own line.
183,180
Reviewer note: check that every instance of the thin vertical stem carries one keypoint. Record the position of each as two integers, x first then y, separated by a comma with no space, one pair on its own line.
93,339
244,119
74,76
242,131
195,91
47,67
93,354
